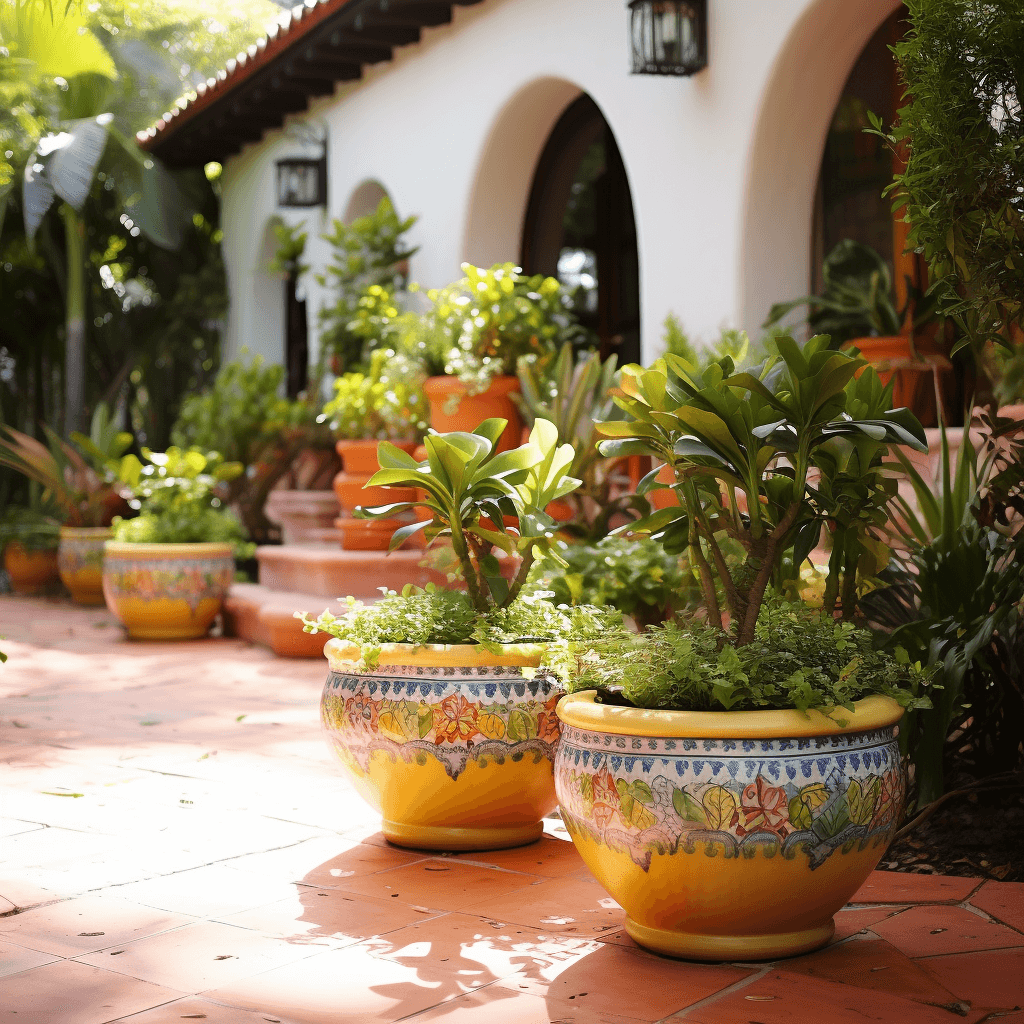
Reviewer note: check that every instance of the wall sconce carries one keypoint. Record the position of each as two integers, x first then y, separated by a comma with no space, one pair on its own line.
302,181
668,37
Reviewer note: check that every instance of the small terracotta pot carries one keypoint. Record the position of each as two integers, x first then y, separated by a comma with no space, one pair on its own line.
351,490
31,572
912,382
561,511
451,408
302,515
664,497
80,560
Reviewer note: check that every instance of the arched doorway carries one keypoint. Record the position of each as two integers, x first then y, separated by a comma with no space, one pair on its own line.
580,228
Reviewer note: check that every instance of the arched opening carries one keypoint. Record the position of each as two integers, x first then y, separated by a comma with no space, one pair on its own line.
580,228
364,200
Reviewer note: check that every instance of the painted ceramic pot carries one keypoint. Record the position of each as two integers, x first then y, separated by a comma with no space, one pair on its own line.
80,561
453,745
30,571
167,591
737,848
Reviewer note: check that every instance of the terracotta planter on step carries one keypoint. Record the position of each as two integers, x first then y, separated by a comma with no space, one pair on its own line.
732,835
359,462
302,515
453,745
451,408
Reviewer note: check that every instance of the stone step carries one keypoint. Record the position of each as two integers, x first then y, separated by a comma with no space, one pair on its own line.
263,616
330,572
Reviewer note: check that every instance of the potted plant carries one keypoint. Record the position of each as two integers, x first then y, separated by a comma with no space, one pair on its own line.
385,403
166,572
80,479
29,539
858,310
473,337
433,702
732,780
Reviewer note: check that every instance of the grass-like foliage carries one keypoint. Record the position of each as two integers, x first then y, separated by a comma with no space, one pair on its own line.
798,658
434,615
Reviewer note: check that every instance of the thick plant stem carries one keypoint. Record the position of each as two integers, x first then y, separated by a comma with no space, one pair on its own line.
461,550
520,578
74,345
764,575
849,598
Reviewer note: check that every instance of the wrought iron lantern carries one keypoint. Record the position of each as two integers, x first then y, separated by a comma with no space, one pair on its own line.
302,181
668,37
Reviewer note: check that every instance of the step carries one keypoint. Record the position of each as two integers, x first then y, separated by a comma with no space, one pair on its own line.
332,573
264,616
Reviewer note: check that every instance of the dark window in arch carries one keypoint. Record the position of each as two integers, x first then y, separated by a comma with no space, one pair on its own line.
580,228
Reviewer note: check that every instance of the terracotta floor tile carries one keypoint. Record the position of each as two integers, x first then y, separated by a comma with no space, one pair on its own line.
935,930
439,882
24,894
552,858
869,962
199,956
571,905
899,887
13,827
499,1005
325,861
195,1008
86,924
630,982
46,845
72,993
315,915
993,980
479,951
17,958
343,986
207,891
782,997
849,922
1003,900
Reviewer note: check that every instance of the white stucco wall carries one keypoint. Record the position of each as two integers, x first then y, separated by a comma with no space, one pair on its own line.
722,166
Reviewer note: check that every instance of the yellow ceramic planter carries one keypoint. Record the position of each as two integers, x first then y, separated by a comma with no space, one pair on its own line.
730,835
80,561
166,591
452,745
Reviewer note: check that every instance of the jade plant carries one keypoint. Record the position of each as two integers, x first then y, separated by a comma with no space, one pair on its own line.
473,496
762,460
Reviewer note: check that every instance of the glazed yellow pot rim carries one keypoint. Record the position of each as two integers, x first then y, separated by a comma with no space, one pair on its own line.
339,654
91,532
204,548
582,711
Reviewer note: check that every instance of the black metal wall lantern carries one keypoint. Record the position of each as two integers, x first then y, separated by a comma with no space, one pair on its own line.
302,181
668,37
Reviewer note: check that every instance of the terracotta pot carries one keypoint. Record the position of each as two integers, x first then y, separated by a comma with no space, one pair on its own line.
367,534
561,511
913,382
302,515
733,835
452,745
664,497
80,560
361,456
451,408
166,591
350,490
30,571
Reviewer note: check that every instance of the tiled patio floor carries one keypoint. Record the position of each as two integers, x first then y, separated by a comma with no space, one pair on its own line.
177,846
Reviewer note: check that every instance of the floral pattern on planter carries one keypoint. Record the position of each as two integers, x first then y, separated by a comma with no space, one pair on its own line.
192,580
454,715
76,554
810,797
